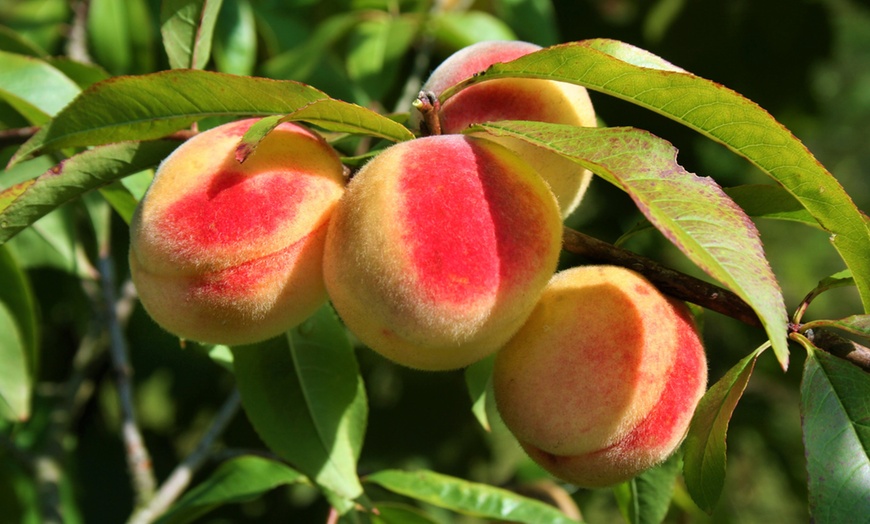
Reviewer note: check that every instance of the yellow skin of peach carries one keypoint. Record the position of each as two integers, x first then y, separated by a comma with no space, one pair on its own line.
601,382
439,249
230,253
515,99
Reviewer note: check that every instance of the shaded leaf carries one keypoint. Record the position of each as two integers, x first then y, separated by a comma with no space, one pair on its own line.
33,87
120,35
18,336
704,454
835,409
24,204
392,513
151,106
468,498
646,498
458,29
692,212
305,397
187,27
241,479
479,384
235,41
637,76
532,20
856,324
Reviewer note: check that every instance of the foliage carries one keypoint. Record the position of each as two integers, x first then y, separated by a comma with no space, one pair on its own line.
94,95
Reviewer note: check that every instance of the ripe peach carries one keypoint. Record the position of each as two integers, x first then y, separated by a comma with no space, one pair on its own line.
516,99
231,253
439,249
602,380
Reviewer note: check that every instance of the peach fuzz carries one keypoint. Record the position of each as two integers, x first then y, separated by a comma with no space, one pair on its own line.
515,99
231,253
601,382
439,249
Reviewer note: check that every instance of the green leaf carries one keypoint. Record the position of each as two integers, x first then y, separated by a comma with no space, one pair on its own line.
19,208
758,201
241,479
33,87
393,513
187,27
460,29
120,35
332,115
152,106
84,75
856,324
835,410
121,200
479,384
376,48
50,242
704,448
305,398
235,41
646,498
18,336
637,76
13,42
692,212
532,20
468,498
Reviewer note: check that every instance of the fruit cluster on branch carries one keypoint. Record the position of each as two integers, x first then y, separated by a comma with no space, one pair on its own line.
440,251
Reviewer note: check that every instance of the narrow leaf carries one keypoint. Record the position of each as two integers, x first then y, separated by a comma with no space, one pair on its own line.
33,87
237,480
692,212
376,48
835,412
187,27
639,77
332,115
468,498
392,513
305,398
152,106
704,448
73,177
18,336
856,324
646,498
235,45
479,384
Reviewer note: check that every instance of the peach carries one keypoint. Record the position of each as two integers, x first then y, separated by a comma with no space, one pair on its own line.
439,249
231,253
515,99
601,382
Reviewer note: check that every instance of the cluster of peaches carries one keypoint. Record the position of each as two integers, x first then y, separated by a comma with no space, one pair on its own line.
438,252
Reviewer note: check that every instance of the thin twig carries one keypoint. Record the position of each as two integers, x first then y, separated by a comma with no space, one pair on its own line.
669,281
77,41
180,477
138,458
841,347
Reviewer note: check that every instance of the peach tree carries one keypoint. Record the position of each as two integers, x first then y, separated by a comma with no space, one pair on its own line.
83,134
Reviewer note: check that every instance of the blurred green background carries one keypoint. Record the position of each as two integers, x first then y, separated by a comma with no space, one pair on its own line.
806,61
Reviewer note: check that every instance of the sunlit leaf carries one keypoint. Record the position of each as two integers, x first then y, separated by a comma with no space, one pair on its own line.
332,115
120,35
478,382
73,177
33,87
692,212
241,479
151,106
835,410
187,27
637,76
704,448
468,498
305,398
376,48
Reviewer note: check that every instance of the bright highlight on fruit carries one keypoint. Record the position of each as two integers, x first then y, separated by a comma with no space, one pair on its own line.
515,99
601,382
231,253
439,249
